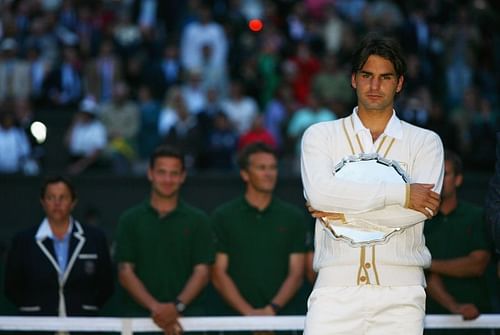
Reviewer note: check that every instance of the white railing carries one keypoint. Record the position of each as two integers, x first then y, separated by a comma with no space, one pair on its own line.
128,326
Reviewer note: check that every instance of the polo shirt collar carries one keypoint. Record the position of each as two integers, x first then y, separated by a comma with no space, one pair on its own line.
246,205
393,128
181,207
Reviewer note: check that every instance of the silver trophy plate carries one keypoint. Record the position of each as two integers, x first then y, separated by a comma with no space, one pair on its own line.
364,168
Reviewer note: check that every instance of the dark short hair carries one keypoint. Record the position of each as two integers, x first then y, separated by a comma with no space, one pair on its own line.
58,179
167,151
253,148
455,160
383,46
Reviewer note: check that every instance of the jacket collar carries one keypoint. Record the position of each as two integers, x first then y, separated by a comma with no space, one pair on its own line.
77,240
44,230
393,128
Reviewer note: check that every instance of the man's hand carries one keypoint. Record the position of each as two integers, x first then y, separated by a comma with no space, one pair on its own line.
164,315
320,214
468,311
173,329
424,199
266,310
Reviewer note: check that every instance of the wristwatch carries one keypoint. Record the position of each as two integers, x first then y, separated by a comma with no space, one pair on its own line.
179,306
275,307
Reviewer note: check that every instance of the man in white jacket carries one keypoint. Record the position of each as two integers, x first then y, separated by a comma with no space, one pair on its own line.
372,288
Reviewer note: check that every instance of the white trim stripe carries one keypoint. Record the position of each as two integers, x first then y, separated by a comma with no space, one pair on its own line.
230,323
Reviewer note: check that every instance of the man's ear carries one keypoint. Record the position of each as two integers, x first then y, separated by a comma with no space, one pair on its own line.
353,80
459,179
401,81
244,175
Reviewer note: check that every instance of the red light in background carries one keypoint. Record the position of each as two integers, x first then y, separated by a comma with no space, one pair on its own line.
255,25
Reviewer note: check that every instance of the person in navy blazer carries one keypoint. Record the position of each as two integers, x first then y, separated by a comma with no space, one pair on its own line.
59,267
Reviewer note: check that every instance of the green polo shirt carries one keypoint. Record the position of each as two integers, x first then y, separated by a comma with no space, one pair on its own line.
456,235
259,244
164,250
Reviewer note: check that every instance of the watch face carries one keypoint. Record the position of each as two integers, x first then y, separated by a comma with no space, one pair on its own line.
180,307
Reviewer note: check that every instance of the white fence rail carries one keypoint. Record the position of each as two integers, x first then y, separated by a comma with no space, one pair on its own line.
128,326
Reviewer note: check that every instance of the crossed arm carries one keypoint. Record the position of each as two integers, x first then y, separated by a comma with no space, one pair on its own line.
379,202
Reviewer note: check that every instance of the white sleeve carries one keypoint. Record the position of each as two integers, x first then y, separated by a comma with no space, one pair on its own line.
428,164
325,192
390,216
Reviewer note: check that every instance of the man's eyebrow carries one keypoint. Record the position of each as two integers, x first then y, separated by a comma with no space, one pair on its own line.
382,74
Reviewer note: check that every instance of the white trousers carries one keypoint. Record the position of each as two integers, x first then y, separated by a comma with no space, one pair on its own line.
366,310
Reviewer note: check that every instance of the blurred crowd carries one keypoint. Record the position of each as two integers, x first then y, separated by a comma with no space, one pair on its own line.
133,74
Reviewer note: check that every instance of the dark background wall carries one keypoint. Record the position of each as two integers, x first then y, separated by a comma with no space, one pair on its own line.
103,199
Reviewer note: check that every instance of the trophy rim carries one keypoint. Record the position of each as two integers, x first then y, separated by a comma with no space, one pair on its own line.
373,157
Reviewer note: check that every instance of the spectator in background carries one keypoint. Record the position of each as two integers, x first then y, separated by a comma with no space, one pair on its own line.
103,72
331,85
39,70
126,34
333,29
86,139
202,35
59,267
149,113
179,128
257,133
240,108
206,124
277,114
456,238
120,117
439,123
42,36
63,87
311,113
221,144
268,65
259,264
15,148
166,72
306,66
15,80
461,38
194,92
164,248
483,126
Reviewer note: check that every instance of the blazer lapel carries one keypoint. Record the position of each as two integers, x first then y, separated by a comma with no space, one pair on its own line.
75,246
48,250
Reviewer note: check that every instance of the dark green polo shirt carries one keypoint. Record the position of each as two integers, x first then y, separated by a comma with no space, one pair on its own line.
164,250
259,244
456,235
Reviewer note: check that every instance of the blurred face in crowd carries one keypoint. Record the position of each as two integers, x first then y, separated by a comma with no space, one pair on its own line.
57,202
376,84
451,181
261,173
166,176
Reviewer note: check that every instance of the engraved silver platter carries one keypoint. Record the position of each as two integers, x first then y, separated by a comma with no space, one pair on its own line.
364,168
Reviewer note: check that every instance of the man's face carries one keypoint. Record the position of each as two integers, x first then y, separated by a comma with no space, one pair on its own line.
262,172
376,84
166,177
451,181
57,202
